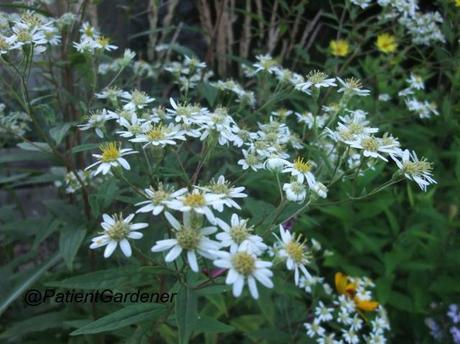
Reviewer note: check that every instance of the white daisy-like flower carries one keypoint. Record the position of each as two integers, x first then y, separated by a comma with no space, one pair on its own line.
323,313
314,329
317,80
136,100
160,135
198,201
301,169
220,124
158,199
295,252
226,192
310,120
373,147
415,82
97,121
356,323
244,267
237,233
295,191
251,160
117,231
111,156
419,171
132,127
350,336
190,237
265,63
186,113
352,86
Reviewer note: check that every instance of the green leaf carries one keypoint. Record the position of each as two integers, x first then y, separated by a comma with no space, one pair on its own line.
37,323
28,281
59,131
84,147
210,325
186,313
69,243
35,146
132,314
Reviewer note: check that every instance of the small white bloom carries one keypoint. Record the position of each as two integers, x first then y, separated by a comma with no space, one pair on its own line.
117,231
158,199
190,237
295,253
111,156
244,267
238,233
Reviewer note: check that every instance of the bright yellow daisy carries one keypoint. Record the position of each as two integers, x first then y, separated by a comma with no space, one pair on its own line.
386,43
339,47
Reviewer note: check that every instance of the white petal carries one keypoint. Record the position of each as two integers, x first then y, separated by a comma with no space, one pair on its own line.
163,245
135,235
238,286
173,254
111,246
172,221
191,257
253,287
125,247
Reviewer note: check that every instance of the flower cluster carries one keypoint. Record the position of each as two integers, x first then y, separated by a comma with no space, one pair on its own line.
351,317
92,41
28,30
188,73
424,109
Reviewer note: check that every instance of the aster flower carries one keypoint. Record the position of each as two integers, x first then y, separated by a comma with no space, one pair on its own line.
97,121
225,192
111,156
198,201
419,171
295,191
244,267
159,135
301,169
158,199
190,237
237,233
186,113
352,86
117,231
295,252
136,100
251,160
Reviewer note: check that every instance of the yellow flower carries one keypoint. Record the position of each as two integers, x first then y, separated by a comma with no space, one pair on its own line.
386,43
457,3
345,286
339,47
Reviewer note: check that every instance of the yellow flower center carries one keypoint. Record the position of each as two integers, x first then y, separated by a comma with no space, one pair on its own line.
244,263
24,36
370,144
110,151
239,233
188,238
195,200
119,230
156,133
303,166
417,167
296,250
